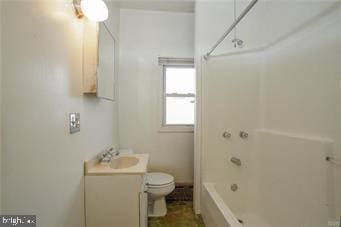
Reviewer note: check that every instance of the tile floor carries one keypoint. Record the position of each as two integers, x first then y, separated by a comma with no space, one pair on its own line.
180,214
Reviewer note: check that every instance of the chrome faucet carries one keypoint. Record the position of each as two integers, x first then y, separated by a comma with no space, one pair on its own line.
236,161
108,154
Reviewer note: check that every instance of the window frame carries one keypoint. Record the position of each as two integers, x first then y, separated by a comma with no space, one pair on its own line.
174,127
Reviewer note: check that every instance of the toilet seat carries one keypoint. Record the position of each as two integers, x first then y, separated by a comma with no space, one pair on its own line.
160,186
156,180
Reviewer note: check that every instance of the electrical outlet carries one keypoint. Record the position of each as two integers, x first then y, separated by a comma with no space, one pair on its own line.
74,122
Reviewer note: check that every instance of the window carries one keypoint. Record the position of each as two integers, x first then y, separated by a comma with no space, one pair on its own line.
178,95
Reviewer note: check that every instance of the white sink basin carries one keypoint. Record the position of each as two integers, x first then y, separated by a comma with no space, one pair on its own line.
123,162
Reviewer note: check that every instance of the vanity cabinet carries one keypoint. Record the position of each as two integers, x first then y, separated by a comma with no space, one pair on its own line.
116,200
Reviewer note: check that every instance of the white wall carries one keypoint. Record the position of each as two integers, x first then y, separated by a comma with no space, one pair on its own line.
301,78
298,79
113,23
42,83
145,35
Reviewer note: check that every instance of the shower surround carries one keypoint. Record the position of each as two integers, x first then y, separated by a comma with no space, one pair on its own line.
283,89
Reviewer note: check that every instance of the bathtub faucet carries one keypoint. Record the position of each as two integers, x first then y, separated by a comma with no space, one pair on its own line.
236,161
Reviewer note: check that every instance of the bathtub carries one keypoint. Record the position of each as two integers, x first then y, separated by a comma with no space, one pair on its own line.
215,212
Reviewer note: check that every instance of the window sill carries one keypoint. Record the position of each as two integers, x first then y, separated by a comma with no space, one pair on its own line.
176,129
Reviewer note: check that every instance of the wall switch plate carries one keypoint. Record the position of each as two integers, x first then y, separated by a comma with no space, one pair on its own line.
74,122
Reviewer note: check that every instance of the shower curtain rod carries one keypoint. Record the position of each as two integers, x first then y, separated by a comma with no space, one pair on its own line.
233,25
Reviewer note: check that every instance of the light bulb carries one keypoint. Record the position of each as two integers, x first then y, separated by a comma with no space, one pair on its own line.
95,10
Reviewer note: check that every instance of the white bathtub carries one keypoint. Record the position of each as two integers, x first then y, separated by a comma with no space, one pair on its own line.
215,212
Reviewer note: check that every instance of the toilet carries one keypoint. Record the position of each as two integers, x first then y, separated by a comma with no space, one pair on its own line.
159,185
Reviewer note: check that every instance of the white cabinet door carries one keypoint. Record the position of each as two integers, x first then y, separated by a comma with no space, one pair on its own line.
143,209
112,201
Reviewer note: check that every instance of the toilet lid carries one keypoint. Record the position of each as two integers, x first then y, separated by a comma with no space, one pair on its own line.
159,178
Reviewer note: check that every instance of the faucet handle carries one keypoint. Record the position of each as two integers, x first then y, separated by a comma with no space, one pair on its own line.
109,150
243,135
112,152
227,135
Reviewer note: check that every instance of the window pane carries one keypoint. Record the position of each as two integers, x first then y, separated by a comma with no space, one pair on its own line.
180,80
179,110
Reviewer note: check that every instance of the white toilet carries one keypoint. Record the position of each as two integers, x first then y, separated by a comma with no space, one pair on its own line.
159,185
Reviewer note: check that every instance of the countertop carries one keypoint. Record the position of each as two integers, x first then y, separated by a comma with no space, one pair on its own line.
94,168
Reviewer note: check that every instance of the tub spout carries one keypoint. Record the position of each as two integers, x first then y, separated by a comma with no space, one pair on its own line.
236,161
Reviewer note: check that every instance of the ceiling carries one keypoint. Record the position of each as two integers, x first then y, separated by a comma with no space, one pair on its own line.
160,5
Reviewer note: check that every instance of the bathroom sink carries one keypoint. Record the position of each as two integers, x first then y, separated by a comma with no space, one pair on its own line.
123,162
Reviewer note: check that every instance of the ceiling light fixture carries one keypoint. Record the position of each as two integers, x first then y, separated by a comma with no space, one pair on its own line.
95,10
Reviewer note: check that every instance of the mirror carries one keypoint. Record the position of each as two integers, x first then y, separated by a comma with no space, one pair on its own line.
106,64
